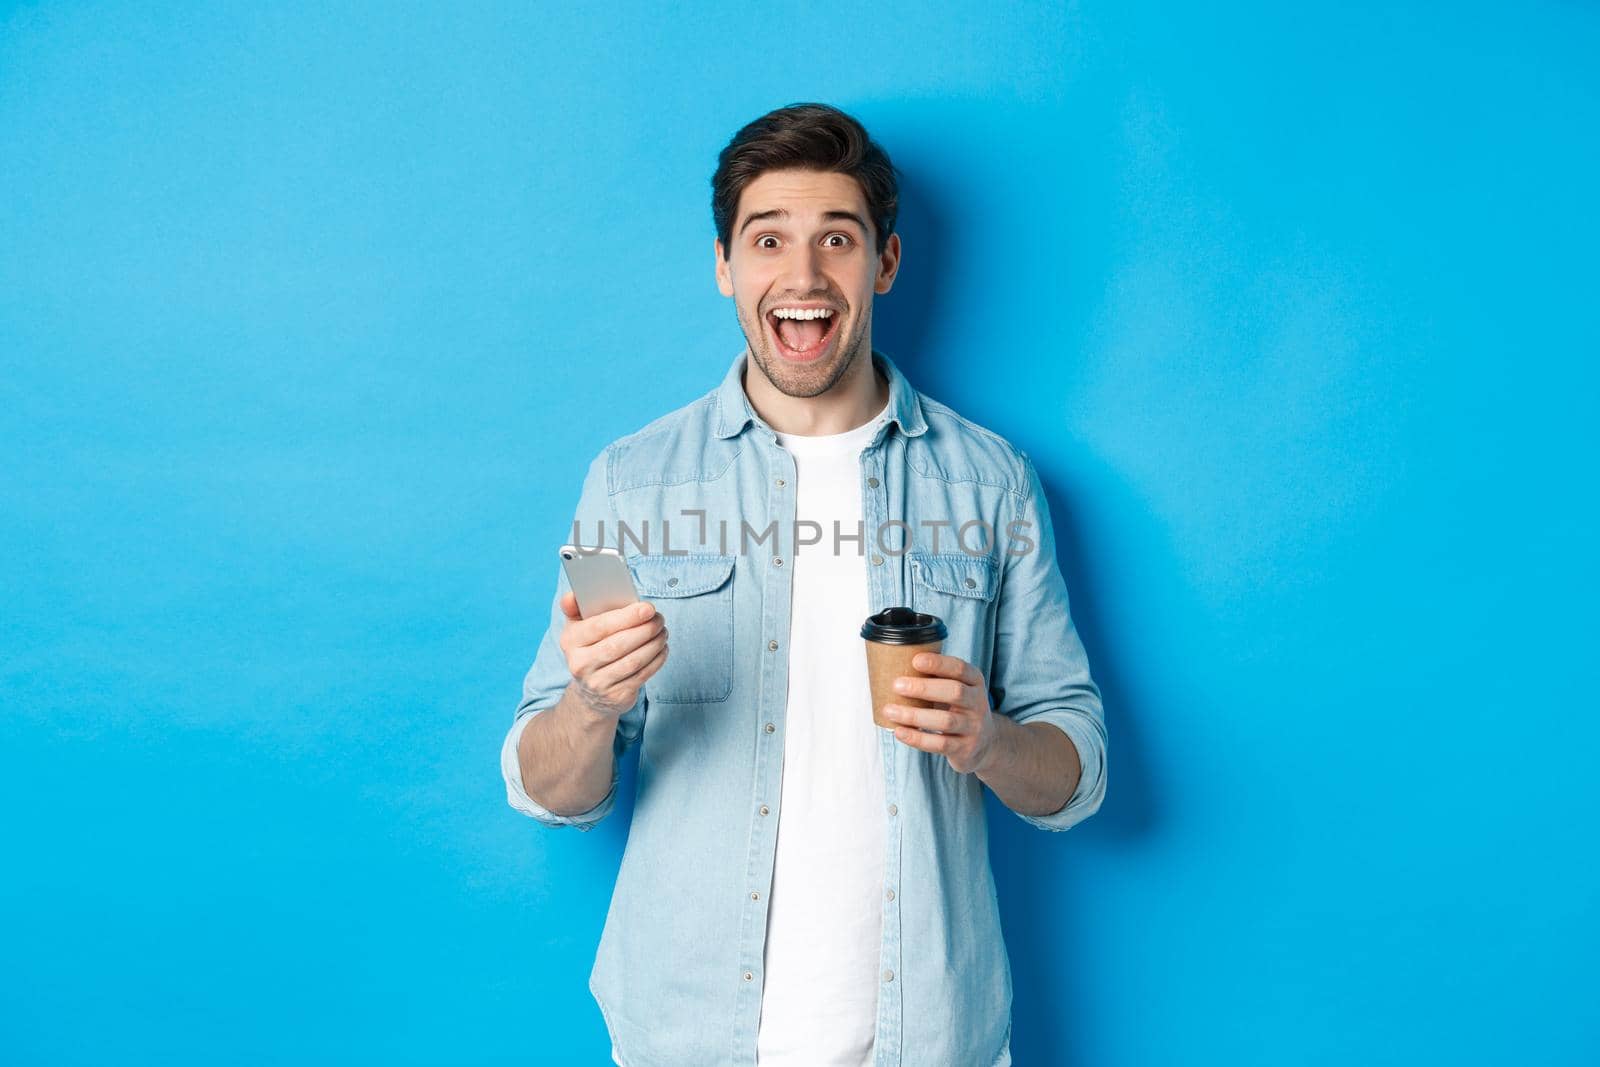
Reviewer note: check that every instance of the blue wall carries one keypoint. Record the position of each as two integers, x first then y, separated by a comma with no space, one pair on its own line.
301,316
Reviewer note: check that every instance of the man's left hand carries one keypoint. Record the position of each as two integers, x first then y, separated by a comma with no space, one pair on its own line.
963,732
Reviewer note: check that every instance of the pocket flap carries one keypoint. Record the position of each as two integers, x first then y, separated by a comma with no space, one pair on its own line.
956,573
674,576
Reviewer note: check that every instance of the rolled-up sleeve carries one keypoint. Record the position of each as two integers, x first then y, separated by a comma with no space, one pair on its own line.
549,677
1040,671
518,798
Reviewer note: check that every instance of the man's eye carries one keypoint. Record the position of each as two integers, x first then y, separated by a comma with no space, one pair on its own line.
769,241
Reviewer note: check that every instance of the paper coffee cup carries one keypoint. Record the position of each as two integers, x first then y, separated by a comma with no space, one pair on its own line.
893,637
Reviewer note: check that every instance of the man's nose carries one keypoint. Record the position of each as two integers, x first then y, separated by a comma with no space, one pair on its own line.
802,272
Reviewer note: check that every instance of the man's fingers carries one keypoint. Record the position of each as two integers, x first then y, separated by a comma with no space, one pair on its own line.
947,667
631,658
597,657
939,720
939,690
940,743
645,669
597,628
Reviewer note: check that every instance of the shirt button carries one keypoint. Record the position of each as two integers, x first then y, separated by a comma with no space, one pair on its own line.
772,646
893,810
889,895
971,584
777,561
780,482
876,559
873,482
765,809
770,727
755,896
888,976
672,581
748,977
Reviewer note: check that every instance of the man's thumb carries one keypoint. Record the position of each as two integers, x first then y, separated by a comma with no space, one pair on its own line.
569,606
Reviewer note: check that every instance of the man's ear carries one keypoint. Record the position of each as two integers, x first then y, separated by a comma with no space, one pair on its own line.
888,265
724,278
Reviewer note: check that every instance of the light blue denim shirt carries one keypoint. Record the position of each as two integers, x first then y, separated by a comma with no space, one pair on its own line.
678,972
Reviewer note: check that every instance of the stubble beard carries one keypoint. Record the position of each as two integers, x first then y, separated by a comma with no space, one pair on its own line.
810,380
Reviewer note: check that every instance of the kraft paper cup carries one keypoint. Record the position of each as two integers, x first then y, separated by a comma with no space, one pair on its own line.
893,637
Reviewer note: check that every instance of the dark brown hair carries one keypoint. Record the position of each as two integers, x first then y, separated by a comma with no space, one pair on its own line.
805,137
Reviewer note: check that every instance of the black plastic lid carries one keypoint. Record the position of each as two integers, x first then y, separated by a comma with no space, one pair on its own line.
902,626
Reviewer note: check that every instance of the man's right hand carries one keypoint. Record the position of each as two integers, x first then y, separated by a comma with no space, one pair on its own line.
612,654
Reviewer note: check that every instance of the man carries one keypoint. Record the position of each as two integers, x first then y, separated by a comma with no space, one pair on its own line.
801,886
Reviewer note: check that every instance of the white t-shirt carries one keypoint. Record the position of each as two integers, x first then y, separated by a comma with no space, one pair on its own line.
819,1002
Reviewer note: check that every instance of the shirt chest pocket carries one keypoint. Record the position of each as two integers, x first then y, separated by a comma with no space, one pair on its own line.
960,589
694,596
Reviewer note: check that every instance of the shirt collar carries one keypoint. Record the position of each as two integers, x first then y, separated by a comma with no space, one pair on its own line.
734,411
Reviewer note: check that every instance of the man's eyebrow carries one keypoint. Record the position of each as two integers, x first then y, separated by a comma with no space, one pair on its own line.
827,216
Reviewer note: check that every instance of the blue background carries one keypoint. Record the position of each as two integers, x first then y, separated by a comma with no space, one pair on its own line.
310,321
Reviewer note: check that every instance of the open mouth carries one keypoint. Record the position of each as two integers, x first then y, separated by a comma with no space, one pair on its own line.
803,335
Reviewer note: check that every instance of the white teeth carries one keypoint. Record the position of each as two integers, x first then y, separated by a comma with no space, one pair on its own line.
803,313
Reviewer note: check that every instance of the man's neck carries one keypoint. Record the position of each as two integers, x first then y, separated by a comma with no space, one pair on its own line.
853,400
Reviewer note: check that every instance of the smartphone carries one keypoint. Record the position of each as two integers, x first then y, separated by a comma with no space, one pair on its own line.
599,577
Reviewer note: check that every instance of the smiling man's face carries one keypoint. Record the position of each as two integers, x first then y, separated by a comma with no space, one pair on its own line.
802,270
